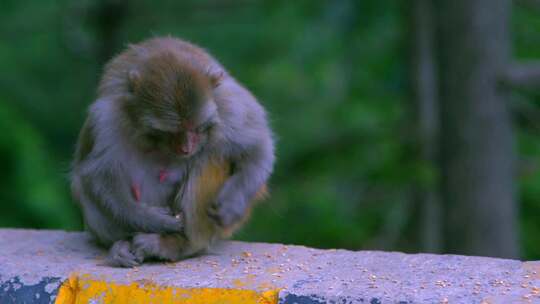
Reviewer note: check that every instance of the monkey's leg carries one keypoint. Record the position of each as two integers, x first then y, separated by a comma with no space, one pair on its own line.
102,227
120,255
170,247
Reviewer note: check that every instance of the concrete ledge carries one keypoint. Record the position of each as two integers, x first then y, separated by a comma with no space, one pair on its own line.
64,267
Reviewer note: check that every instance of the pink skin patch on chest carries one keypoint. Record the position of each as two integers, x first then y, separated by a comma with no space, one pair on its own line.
163,175
136,188
136,191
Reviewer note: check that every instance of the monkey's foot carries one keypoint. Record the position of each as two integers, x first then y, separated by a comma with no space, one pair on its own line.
151,245
120,255
145,245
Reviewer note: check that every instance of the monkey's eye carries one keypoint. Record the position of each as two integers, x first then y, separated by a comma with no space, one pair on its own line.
157,136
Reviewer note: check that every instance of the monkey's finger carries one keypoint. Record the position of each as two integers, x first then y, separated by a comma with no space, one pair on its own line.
172,225
123,262
120,255
213,214
124,259
226,215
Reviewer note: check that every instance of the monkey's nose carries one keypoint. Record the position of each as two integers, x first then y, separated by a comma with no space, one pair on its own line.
183,149
188,144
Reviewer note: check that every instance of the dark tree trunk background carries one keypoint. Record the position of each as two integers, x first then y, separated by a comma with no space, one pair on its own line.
423,90
477,146
109,17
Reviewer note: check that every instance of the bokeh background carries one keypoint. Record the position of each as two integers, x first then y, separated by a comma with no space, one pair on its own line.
370,100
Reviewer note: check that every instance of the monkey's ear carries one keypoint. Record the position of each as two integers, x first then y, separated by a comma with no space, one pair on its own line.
134,80
215,77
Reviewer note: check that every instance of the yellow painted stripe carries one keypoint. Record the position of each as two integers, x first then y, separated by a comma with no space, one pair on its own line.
82,290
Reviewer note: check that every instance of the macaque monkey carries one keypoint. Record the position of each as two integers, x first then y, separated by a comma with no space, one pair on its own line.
172,155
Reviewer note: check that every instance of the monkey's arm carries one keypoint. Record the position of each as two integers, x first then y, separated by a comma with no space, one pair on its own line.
107,190
99,182
251,149
250,174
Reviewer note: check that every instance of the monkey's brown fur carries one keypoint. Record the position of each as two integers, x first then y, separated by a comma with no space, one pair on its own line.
172,155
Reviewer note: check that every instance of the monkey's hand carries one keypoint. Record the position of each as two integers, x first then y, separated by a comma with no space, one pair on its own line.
161,220
230,206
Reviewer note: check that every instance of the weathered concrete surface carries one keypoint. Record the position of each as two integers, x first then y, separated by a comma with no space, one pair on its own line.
35,264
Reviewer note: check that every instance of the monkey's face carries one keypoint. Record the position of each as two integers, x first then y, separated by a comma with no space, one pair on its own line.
184,141
172,110
174,134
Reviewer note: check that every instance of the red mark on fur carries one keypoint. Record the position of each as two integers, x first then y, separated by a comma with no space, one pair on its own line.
163,175
136,189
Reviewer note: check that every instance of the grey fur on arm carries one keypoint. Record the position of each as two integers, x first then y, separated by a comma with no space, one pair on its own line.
251,151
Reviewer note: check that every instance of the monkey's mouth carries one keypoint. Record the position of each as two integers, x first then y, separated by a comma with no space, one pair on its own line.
168,154
184,152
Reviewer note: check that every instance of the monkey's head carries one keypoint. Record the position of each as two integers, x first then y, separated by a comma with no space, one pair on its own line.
172,109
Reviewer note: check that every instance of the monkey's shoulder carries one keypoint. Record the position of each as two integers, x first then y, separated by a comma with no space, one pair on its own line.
85,142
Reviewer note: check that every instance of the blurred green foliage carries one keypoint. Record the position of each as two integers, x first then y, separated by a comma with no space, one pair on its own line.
332,75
